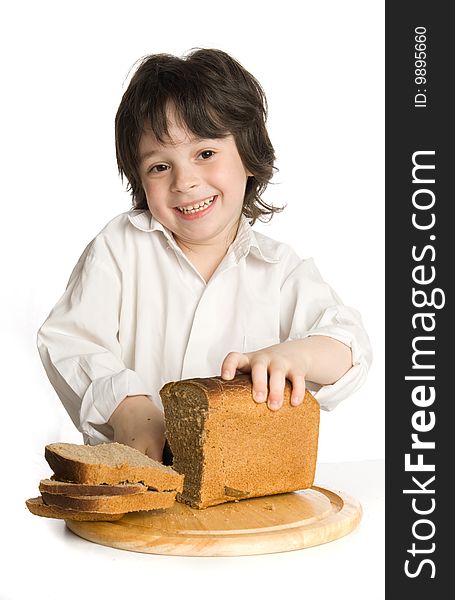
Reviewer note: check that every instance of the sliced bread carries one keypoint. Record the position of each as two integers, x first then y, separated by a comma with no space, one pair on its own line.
37,507
112,504
53,486
110,463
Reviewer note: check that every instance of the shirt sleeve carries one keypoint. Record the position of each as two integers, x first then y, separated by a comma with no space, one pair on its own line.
79,346
309,306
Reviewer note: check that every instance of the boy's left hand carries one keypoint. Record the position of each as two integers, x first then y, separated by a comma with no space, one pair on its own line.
276,363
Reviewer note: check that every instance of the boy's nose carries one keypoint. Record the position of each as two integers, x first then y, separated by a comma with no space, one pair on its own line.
185,178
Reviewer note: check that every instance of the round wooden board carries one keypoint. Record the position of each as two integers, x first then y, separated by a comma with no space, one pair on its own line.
257,526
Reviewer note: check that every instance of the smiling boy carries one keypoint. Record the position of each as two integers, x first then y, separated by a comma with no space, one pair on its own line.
181,286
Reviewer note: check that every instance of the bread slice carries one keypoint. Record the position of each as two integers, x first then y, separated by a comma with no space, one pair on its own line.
110,463
229,447
37,507
53,486
112,504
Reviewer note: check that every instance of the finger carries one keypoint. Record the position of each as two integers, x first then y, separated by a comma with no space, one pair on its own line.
298,389
233,361
259,378
277,380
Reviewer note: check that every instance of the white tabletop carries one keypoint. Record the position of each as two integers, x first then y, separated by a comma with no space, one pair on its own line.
55,563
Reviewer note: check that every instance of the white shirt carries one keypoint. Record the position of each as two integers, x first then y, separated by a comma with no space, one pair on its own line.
136,314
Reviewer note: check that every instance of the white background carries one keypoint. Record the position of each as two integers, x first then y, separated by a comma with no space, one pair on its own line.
64,68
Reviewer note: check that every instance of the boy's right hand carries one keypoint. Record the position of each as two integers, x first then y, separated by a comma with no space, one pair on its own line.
138,423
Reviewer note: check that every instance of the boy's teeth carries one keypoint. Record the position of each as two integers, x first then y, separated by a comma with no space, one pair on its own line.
196,207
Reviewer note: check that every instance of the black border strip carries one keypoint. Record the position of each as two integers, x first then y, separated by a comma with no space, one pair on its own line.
420,331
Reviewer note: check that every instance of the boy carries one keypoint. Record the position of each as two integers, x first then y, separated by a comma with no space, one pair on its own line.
181,286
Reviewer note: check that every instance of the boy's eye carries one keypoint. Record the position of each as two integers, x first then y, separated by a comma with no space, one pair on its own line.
158,168
207,153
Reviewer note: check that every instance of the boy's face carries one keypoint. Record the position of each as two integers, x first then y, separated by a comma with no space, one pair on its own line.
187,172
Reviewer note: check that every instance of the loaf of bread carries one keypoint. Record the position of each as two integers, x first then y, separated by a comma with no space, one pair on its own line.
110,463
229,447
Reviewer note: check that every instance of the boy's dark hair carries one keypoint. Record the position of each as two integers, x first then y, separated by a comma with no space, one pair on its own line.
214,96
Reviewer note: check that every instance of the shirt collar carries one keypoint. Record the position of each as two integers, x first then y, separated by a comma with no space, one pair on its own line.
245,241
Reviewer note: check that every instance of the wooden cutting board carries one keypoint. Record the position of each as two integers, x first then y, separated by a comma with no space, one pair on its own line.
257,526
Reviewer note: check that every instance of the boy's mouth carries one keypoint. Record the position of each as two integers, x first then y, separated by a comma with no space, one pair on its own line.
199,206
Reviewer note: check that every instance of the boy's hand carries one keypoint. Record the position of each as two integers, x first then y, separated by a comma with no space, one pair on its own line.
320,359
275,362
138,423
